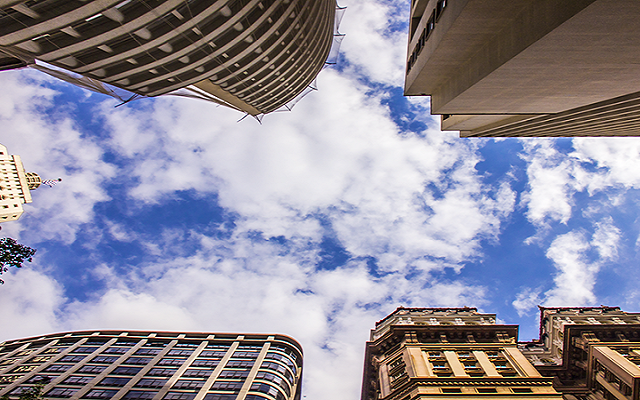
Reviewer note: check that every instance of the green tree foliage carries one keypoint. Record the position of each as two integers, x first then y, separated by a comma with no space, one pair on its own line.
13,254
33,393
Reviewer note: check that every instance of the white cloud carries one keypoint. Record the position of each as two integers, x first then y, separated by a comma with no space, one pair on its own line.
50,143
577,271
246,286
551,183
396,197
371,47
30,303
526,300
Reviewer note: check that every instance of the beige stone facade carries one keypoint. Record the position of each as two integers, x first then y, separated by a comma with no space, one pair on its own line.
430,353
15,185
528,68
250,55
454,353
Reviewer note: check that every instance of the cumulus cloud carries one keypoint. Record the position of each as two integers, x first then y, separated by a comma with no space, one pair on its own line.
394,197
30,303
577,258
376,41
51,144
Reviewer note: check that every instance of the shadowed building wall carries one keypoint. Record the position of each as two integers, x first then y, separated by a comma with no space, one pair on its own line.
251,55
528,68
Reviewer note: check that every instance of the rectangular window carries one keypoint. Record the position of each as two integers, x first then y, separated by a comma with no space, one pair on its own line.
113,381
205,363
151,383
180,352
451,390
126,370
138,360
61,392
77,380
521,390
116,350
140,394
92,369
197,373
188,384
57,367
179,396
71,359
162,371
227,385
171,361
85,350
104,359
100,394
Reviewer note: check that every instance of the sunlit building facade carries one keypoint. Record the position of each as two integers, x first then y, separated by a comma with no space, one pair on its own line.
528,68
153,365
15,185
430,353
250,55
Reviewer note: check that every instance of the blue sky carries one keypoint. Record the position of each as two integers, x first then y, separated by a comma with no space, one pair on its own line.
173,215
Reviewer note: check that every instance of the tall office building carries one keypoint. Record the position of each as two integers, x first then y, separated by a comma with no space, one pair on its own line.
15,185
251,55
528,68
153,365
430,353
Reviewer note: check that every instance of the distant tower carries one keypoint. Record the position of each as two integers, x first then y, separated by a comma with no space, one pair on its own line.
15,186
253,56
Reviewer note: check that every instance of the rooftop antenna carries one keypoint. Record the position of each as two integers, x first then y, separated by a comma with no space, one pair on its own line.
51,182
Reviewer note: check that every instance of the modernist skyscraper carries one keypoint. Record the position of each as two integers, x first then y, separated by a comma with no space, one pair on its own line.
251,55
431,353
153,365
15,185
528,67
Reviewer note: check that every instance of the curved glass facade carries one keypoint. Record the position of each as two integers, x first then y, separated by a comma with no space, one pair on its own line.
153,365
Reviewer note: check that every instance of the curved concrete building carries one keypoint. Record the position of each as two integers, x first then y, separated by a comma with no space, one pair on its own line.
251,55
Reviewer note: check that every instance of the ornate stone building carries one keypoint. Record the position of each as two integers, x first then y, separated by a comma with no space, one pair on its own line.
428,353
15,185
528,67
251,55
153,365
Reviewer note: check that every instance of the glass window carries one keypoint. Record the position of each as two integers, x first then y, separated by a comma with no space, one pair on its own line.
140,394
126,370
104,359
113,381
188,384
138,360
77,380
61,392
162,371
100,394
151,383
56,367
197,373
179,396
92,369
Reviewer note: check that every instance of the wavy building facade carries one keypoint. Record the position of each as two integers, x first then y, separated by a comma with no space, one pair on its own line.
528,67
250,55
590,353
153,365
